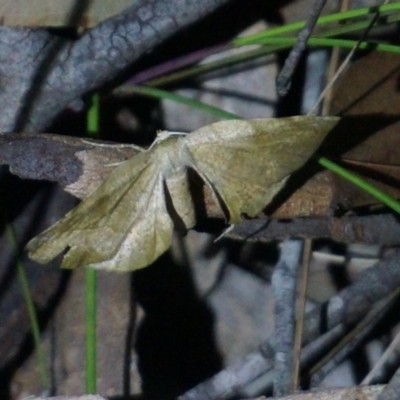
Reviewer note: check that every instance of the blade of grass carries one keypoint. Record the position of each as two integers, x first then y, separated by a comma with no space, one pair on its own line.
91,280
344,43
353,28
261,37
326,19
165,95
93,117
274,44
361,183
26,292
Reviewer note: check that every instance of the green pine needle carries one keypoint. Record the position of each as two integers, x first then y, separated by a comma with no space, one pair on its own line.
34,322
91,279
361,183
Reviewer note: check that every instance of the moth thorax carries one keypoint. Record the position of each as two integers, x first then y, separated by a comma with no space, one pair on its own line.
169,154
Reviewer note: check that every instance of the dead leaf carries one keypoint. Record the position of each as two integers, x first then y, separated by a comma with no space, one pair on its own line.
369,94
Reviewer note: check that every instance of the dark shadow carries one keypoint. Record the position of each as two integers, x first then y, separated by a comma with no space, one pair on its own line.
44,68
175,341
229,93
134,119
15,194
26,348
290,104
256,258
129,341
47,284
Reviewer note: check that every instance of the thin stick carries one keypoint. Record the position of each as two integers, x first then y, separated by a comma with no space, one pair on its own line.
333,66
391,390
283,81
352,340
347,307
385,356
284,280
301,308
345,63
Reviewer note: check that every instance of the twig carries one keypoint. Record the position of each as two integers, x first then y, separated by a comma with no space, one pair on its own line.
381,362
230,380
284,282
301,309
343,309
351,341
352,393
333,65
392,389
283,81
381,229
346,62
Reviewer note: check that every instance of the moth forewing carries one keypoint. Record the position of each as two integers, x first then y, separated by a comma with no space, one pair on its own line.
149,236
248,162
95,229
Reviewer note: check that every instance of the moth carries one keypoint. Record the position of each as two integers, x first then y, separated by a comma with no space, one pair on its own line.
128,222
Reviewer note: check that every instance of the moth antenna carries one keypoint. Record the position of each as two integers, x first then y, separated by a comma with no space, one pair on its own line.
115,145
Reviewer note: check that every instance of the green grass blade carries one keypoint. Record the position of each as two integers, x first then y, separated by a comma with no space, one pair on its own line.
163,94
91,279
273,44
328,42
26,292
344,43
93,117
326,19
361,183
